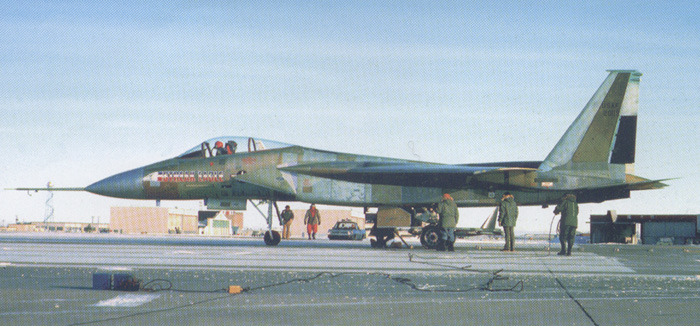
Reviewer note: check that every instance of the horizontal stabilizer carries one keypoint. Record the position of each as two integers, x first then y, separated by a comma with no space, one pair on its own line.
656,184
647,185
490,223
637,183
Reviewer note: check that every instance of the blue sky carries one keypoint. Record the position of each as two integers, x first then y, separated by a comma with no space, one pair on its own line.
88,90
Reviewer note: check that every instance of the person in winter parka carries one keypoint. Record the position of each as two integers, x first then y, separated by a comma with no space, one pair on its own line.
568,223
507,216
448,218
287,218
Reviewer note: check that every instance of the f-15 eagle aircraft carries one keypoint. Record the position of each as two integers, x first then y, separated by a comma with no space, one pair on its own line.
593,159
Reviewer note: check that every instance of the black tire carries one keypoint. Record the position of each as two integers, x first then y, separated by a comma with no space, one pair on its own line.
272,238
430,236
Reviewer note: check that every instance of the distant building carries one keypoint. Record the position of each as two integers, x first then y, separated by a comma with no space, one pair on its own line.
163,220
21,227
182,221
219,225
236,219
650,229
152,220
139,220
70,227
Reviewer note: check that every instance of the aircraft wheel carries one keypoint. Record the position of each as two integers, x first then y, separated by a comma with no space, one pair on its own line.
430,236
272,238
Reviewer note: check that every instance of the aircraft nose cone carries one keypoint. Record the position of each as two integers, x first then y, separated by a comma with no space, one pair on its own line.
127,184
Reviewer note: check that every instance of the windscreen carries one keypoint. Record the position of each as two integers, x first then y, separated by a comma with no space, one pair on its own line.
231,145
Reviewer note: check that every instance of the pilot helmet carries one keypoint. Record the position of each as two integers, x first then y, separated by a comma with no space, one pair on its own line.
218,144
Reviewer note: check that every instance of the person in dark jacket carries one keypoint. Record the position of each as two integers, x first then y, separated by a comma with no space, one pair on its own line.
448,218
568,223
312,219
507,216
287,218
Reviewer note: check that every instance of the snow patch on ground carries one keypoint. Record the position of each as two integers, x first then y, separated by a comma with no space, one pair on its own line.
128,300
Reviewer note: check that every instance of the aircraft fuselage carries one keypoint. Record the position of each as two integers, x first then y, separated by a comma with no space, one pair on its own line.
262,175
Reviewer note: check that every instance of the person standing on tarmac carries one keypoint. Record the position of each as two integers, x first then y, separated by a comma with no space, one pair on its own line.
507,216
448,218
312,219
287,217
568,223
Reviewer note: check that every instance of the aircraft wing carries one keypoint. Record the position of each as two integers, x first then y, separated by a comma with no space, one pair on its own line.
398,174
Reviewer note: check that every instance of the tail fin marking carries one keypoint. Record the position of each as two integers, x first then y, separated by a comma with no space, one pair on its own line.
605,131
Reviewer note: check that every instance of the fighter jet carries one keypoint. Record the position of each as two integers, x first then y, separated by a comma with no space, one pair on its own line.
593,159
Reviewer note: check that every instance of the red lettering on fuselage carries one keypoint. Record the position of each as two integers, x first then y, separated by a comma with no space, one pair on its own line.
189,176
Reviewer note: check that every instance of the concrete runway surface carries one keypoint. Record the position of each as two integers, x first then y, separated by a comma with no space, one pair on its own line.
47,280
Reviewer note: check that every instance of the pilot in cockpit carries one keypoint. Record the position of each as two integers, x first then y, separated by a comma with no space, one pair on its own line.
219,149
229,149
231,146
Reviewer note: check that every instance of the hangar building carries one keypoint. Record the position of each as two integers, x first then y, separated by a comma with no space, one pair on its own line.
650,229
162,220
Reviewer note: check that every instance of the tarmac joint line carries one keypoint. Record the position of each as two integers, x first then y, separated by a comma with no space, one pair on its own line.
583,309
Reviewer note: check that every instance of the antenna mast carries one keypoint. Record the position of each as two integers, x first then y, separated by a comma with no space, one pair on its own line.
48,212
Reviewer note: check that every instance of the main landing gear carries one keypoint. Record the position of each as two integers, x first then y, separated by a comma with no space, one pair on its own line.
430,236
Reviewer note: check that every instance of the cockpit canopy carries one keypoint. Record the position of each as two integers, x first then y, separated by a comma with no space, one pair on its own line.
230,145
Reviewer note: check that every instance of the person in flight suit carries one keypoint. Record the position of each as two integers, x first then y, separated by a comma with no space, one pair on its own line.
312,219
568,223
219,149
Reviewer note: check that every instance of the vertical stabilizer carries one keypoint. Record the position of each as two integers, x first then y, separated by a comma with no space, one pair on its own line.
601,141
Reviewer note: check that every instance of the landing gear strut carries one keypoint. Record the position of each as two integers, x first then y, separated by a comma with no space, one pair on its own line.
271,237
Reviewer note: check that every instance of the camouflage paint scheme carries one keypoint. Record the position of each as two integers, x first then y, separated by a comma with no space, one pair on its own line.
594,159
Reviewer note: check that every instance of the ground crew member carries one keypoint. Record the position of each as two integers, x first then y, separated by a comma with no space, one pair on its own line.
507,216
312,219
287,217
448,218
568,223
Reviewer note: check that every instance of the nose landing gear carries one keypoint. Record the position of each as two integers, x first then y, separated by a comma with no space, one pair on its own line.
271,237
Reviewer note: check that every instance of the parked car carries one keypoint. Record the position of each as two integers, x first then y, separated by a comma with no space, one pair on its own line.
346,230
